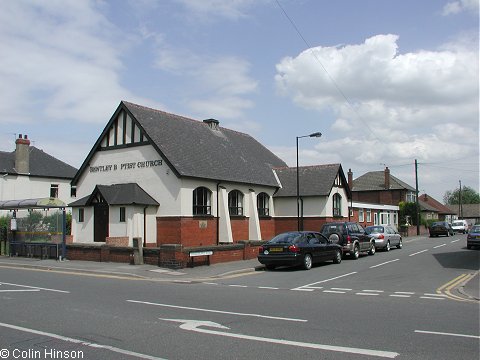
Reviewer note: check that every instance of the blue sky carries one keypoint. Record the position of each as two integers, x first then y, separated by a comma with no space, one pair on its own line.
386,82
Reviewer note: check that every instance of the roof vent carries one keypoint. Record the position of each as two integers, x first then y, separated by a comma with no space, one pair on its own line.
212,123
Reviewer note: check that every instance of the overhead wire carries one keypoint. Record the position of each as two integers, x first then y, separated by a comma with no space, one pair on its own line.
337,87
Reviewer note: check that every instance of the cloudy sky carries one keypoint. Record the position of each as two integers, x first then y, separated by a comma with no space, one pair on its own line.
386,82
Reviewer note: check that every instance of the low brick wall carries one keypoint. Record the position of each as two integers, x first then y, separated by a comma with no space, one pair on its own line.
171,256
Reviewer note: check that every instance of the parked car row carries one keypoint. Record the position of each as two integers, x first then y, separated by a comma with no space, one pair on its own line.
445,228
334,241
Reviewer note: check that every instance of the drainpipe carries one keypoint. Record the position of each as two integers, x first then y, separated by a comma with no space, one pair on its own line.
218,216
145,226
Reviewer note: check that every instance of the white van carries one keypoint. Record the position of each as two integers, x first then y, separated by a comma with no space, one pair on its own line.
460,226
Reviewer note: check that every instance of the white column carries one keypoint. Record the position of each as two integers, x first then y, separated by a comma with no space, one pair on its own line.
254,232
224,224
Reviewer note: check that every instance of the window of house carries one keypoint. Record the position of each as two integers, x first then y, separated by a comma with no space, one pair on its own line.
201,201
411,197
361,217
235,203
81,215
73,191
54,191
122,214
337,205
262,204
369,215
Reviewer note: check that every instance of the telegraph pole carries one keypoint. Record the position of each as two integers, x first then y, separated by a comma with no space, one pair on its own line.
416,197
460,200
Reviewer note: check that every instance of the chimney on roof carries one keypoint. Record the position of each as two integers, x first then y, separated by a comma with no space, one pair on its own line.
387,178
350,179
212,123
22,154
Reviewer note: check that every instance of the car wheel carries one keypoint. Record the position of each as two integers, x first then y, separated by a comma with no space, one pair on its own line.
387,247
338,257
307,262
372,249
356,253
270,267
400,244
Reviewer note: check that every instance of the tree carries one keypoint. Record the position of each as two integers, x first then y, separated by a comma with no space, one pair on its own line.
408,210
469,196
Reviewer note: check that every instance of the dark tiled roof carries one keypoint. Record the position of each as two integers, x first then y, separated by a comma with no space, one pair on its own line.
438,206
375,181
468,210
314,180
41,164
196,150
118,194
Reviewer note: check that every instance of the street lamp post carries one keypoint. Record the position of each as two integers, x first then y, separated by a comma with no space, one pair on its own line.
300,223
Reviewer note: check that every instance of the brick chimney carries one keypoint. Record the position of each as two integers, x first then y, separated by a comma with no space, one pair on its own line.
350,179
387,178
22,155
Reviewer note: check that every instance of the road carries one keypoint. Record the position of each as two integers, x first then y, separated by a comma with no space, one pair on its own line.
399,304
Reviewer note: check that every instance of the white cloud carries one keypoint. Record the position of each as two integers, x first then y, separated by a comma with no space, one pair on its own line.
208,9
59,61
456,7
419,105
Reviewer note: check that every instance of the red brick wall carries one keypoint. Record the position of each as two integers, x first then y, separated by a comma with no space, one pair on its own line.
239,228
117,241
187,231
267,228
391,197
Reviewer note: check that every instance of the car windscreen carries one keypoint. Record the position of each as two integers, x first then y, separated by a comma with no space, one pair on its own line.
374,229
289,238
475,229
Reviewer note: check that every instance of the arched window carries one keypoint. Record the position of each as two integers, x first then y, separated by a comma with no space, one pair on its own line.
201,201
262,204
235,203
337,205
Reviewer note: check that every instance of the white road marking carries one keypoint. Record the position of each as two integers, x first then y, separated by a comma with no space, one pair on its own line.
81,342
268,287
447,334
367,294
194,325
302,288
36,287
342,289
454,241
386,262
217,311
374,291
334,291
17,290
404,292
437,295
239,286
210,283
418,252
400,295
431,298
439,246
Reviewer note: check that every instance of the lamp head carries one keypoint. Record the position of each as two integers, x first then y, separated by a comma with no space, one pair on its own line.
316,134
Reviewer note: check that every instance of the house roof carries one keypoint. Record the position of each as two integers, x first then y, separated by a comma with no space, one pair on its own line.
315,180
118,194
471,211
438,206
375,181
195,149
41,164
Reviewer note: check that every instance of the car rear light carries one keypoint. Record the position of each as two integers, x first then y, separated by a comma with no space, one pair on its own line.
260,250
381,236
293,248
349,239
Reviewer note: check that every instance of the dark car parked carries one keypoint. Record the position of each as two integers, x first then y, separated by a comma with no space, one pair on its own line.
441,228
473,237
351,236
298,248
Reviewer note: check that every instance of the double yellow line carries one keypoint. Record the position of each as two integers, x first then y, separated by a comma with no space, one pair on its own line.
453,284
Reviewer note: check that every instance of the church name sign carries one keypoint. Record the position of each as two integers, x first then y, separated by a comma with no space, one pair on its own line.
126,166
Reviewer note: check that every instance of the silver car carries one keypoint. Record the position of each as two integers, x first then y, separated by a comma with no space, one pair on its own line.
385,237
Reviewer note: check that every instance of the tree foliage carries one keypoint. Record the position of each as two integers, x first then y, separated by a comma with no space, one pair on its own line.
408,210
468,196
